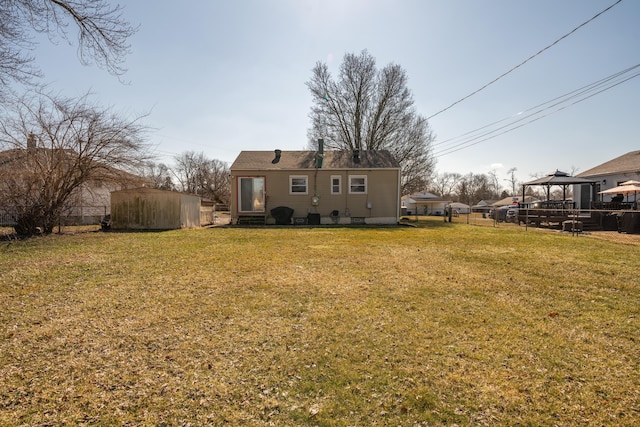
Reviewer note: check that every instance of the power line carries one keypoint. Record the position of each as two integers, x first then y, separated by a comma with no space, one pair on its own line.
510,127
525,61
565,96
560,103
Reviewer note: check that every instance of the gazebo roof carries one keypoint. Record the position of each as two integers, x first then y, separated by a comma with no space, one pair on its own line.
559,178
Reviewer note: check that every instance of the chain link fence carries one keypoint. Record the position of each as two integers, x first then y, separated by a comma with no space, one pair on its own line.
73,215
620,226
87,216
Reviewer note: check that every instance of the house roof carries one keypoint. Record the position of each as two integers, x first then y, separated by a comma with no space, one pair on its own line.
291,160
626,163
17,159
484,202
424,198
508,201
459,205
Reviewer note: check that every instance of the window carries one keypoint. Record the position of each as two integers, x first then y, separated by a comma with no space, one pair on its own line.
298,184
336,184
357,184
251,194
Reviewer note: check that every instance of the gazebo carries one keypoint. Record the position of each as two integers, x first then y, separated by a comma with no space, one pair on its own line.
561,179
553,211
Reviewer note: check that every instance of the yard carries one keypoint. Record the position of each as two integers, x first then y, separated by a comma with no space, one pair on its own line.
441,324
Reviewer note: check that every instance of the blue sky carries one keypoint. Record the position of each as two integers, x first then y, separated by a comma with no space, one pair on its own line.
223,76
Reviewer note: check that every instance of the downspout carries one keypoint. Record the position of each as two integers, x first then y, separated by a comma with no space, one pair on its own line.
398,202
315,200
345,173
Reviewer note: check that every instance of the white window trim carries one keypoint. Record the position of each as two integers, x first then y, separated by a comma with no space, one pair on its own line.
366,187
339,178
306,185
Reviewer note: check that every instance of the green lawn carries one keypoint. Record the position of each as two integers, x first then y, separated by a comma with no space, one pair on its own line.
437,325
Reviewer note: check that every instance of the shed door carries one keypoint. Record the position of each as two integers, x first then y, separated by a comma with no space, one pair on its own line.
251,192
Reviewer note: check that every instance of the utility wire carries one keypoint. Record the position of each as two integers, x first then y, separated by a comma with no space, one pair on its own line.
492,134
565,96
525,61
465,140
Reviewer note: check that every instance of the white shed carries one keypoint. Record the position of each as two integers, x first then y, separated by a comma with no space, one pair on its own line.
460,208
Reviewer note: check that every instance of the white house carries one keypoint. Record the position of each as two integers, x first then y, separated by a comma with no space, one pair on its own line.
424,204
607,175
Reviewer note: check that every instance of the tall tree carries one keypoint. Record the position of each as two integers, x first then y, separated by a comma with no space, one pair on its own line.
494,183
102,34
474,187
54,147
513,180
196,174
445,183
368,108
158,175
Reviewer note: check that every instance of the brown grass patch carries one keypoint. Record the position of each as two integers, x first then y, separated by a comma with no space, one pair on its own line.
437,325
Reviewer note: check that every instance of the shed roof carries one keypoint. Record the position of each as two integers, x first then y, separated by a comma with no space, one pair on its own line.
291,160
626,163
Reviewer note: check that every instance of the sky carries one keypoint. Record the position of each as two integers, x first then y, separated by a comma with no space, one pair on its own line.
219,77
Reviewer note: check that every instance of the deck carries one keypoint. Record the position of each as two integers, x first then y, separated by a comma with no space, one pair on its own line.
621,217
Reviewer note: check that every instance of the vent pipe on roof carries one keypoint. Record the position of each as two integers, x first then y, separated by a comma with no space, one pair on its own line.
356,156
320,155
277,158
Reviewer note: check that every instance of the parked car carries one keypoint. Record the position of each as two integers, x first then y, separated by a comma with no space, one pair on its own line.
500,214
512,215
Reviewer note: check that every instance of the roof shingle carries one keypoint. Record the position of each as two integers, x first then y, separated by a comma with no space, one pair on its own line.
627,163
262,160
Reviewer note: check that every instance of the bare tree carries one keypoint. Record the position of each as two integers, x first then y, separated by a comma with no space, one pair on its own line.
473,188
196,174
444,184
368,108
513,180
188,166
102,34
159,175
55,146
494,183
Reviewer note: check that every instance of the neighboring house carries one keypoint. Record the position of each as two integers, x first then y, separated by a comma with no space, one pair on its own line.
607,175
424,204
336,187
88,204
514,201
152,209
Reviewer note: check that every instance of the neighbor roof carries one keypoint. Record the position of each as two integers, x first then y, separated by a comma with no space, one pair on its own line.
263,160
626,163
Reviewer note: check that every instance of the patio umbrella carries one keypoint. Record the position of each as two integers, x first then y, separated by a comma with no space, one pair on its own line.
625,189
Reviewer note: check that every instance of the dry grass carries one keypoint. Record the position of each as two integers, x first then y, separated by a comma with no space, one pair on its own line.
437,325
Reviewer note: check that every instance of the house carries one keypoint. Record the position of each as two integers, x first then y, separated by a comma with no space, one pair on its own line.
152,209
336,187
514,201
89,202
606,176
424,204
